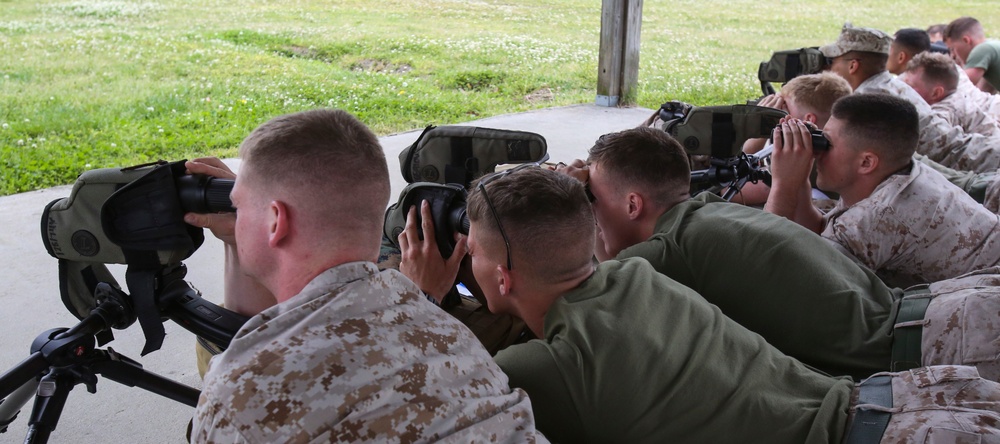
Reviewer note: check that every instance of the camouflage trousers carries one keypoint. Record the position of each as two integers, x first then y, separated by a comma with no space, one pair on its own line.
962,322
940,404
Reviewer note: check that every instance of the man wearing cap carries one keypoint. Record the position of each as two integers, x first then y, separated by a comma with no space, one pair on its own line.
860,56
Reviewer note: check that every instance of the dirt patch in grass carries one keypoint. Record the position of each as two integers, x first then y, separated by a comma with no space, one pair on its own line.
376,65
540,95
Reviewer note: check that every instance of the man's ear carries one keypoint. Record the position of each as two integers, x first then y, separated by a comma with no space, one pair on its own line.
853,67
811,118
504,281
278,222
636,204
902,58
937,93
869,162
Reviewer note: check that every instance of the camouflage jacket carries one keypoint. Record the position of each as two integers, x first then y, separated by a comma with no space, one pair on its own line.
990,103
959,110
358,355
943,142
916,228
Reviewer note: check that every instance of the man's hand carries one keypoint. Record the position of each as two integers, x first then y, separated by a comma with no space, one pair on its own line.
773,101
576,169
421,260
791,163
792,158
753,146
223,225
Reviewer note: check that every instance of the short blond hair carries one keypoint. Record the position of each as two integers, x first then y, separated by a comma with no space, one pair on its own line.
817,92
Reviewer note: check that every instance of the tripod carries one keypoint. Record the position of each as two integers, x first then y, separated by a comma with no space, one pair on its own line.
732,173
63,358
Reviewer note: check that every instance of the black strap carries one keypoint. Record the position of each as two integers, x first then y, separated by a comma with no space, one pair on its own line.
869,424
142,285
723,134
906,339
793,66
463,162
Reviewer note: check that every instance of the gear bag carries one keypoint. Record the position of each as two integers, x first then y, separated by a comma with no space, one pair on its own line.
459,154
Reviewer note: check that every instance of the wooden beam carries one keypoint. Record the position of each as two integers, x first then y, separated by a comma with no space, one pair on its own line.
618,58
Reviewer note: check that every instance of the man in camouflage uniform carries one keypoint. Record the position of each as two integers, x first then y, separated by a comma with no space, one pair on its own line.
935,78
625,347
860,54
349,353
898,217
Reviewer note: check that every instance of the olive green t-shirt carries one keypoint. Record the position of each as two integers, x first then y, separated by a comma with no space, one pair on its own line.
779,280
986,55
632,356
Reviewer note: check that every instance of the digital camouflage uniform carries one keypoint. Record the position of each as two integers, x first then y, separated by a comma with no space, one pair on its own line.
943,142
991,199
358,355
981,187
990,103
916,228
946,404
964,311
959,111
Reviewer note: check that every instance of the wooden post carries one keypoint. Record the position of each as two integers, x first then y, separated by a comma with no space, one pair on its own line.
618,60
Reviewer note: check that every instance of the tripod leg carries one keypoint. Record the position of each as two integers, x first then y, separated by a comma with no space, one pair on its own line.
11,405
50,399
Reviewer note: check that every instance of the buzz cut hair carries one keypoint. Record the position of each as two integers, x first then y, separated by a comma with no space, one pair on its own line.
913,40
645,158
962,27
888,125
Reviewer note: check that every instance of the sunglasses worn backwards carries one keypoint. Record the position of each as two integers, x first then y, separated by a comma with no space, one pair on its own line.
482,188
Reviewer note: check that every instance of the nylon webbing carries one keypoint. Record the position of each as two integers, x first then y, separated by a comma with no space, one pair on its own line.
869,425
906,339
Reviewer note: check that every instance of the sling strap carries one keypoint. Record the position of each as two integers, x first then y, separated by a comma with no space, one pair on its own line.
869,424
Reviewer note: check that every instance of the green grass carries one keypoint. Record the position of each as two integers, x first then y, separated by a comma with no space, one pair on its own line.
91,84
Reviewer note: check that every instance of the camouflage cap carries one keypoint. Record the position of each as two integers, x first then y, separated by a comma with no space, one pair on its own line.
858,39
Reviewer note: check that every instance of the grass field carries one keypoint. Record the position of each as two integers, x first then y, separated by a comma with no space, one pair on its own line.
92,84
